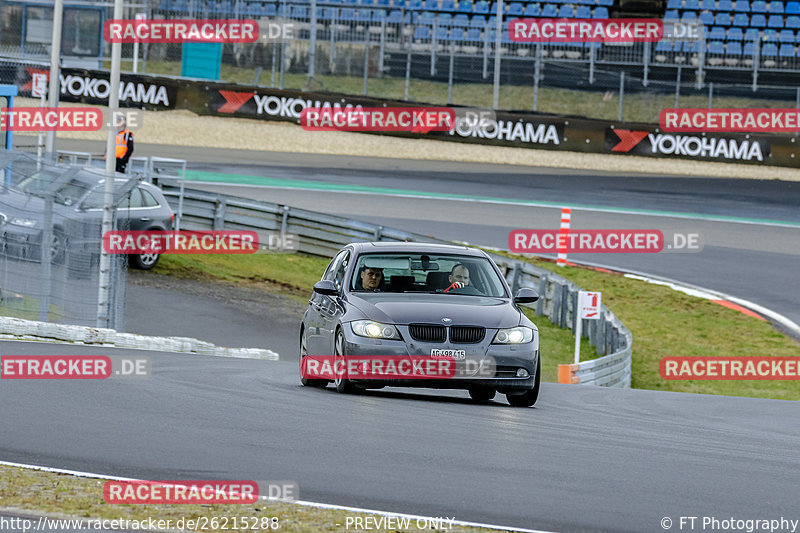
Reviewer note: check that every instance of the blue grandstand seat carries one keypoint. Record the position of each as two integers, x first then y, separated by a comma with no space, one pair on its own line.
566,11
692,4
689,16
587,2
735,34
787,50
740,19
347,14
600,13
742,6
793,21
786,36
378,15
270,10
776,7
758,6
399,3
605,3
481,7
445,19
429,5
425,18
349,2
284,10
456,34
464,6
672,14
533,10
549,10
473,35
751,34
664,46
776,21
583,12
769,35
734,49
385,3
793,8
395,17
364,15
749,49
725,5
723,19
710,5
675,4
514,10
448,5
423,33
717,33
769,49
414,5
461,20
759,21
299,12
692,47
716,47
707,18
477,22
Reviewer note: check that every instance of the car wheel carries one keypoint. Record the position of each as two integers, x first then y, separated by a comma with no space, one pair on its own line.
529,397
320,383
481,394
143,261
343,385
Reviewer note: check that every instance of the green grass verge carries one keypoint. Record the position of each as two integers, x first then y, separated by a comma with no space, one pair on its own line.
71,496
27,308
663,322
638,106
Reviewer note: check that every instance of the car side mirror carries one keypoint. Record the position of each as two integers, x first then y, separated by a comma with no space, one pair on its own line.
326,287
526,296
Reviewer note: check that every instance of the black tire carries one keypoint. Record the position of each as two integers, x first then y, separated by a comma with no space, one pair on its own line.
143,261
318,383
481,394
529,397
343,385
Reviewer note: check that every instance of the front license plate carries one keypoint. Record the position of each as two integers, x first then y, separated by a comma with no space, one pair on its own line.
454,354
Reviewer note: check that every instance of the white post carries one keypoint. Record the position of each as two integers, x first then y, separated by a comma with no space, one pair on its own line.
103,311
578,333
55,61
497,42
139,16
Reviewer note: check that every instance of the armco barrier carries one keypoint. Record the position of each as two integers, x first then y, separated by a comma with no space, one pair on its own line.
519,129
323,235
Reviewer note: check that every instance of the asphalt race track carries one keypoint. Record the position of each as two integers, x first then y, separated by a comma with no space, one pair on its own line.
584,459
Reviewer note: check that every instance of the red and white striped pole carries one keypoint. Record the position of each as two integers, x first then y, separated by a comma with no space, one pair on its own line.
563,235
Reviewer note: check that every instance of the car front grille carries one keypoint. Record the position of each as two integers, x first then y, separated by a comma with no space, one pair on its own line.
467,334
427,332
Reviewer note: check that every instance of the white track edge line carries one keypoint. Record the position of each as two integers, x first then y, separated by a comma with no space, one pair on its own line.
92,475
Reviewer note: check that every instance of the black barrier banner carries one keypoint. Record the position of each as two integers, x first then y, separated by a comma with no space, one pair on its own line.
647,142
93,87
505,128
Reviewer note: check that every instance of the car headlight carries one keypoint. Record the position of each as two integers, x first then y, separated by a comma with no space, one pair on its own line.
26,222
374,330
517,335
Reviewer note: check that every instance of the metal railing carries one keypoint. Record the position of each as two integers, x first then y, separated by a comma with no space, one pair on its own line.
323,235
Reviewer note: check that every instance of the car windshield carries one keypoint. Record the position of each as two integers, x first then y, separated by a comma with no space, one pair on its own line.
427,273
68,194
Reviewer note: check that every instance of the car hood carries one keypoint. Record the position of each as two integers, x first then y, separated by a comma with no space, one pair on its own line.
426,308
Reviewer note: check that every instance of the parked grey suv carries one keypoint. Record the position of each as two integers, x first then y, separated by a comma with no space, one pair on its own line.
77,215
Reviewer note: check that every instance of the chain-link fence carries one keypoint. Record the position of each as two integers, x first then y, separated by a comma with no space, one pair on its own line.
50,242
444,51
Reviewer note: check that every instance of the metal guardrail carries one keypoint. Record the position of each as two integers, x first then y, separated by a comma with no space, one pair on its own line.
323,235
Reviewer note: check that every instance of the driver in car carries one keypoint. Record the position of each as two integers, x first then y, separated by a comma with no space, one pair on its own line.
371,278
459,277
